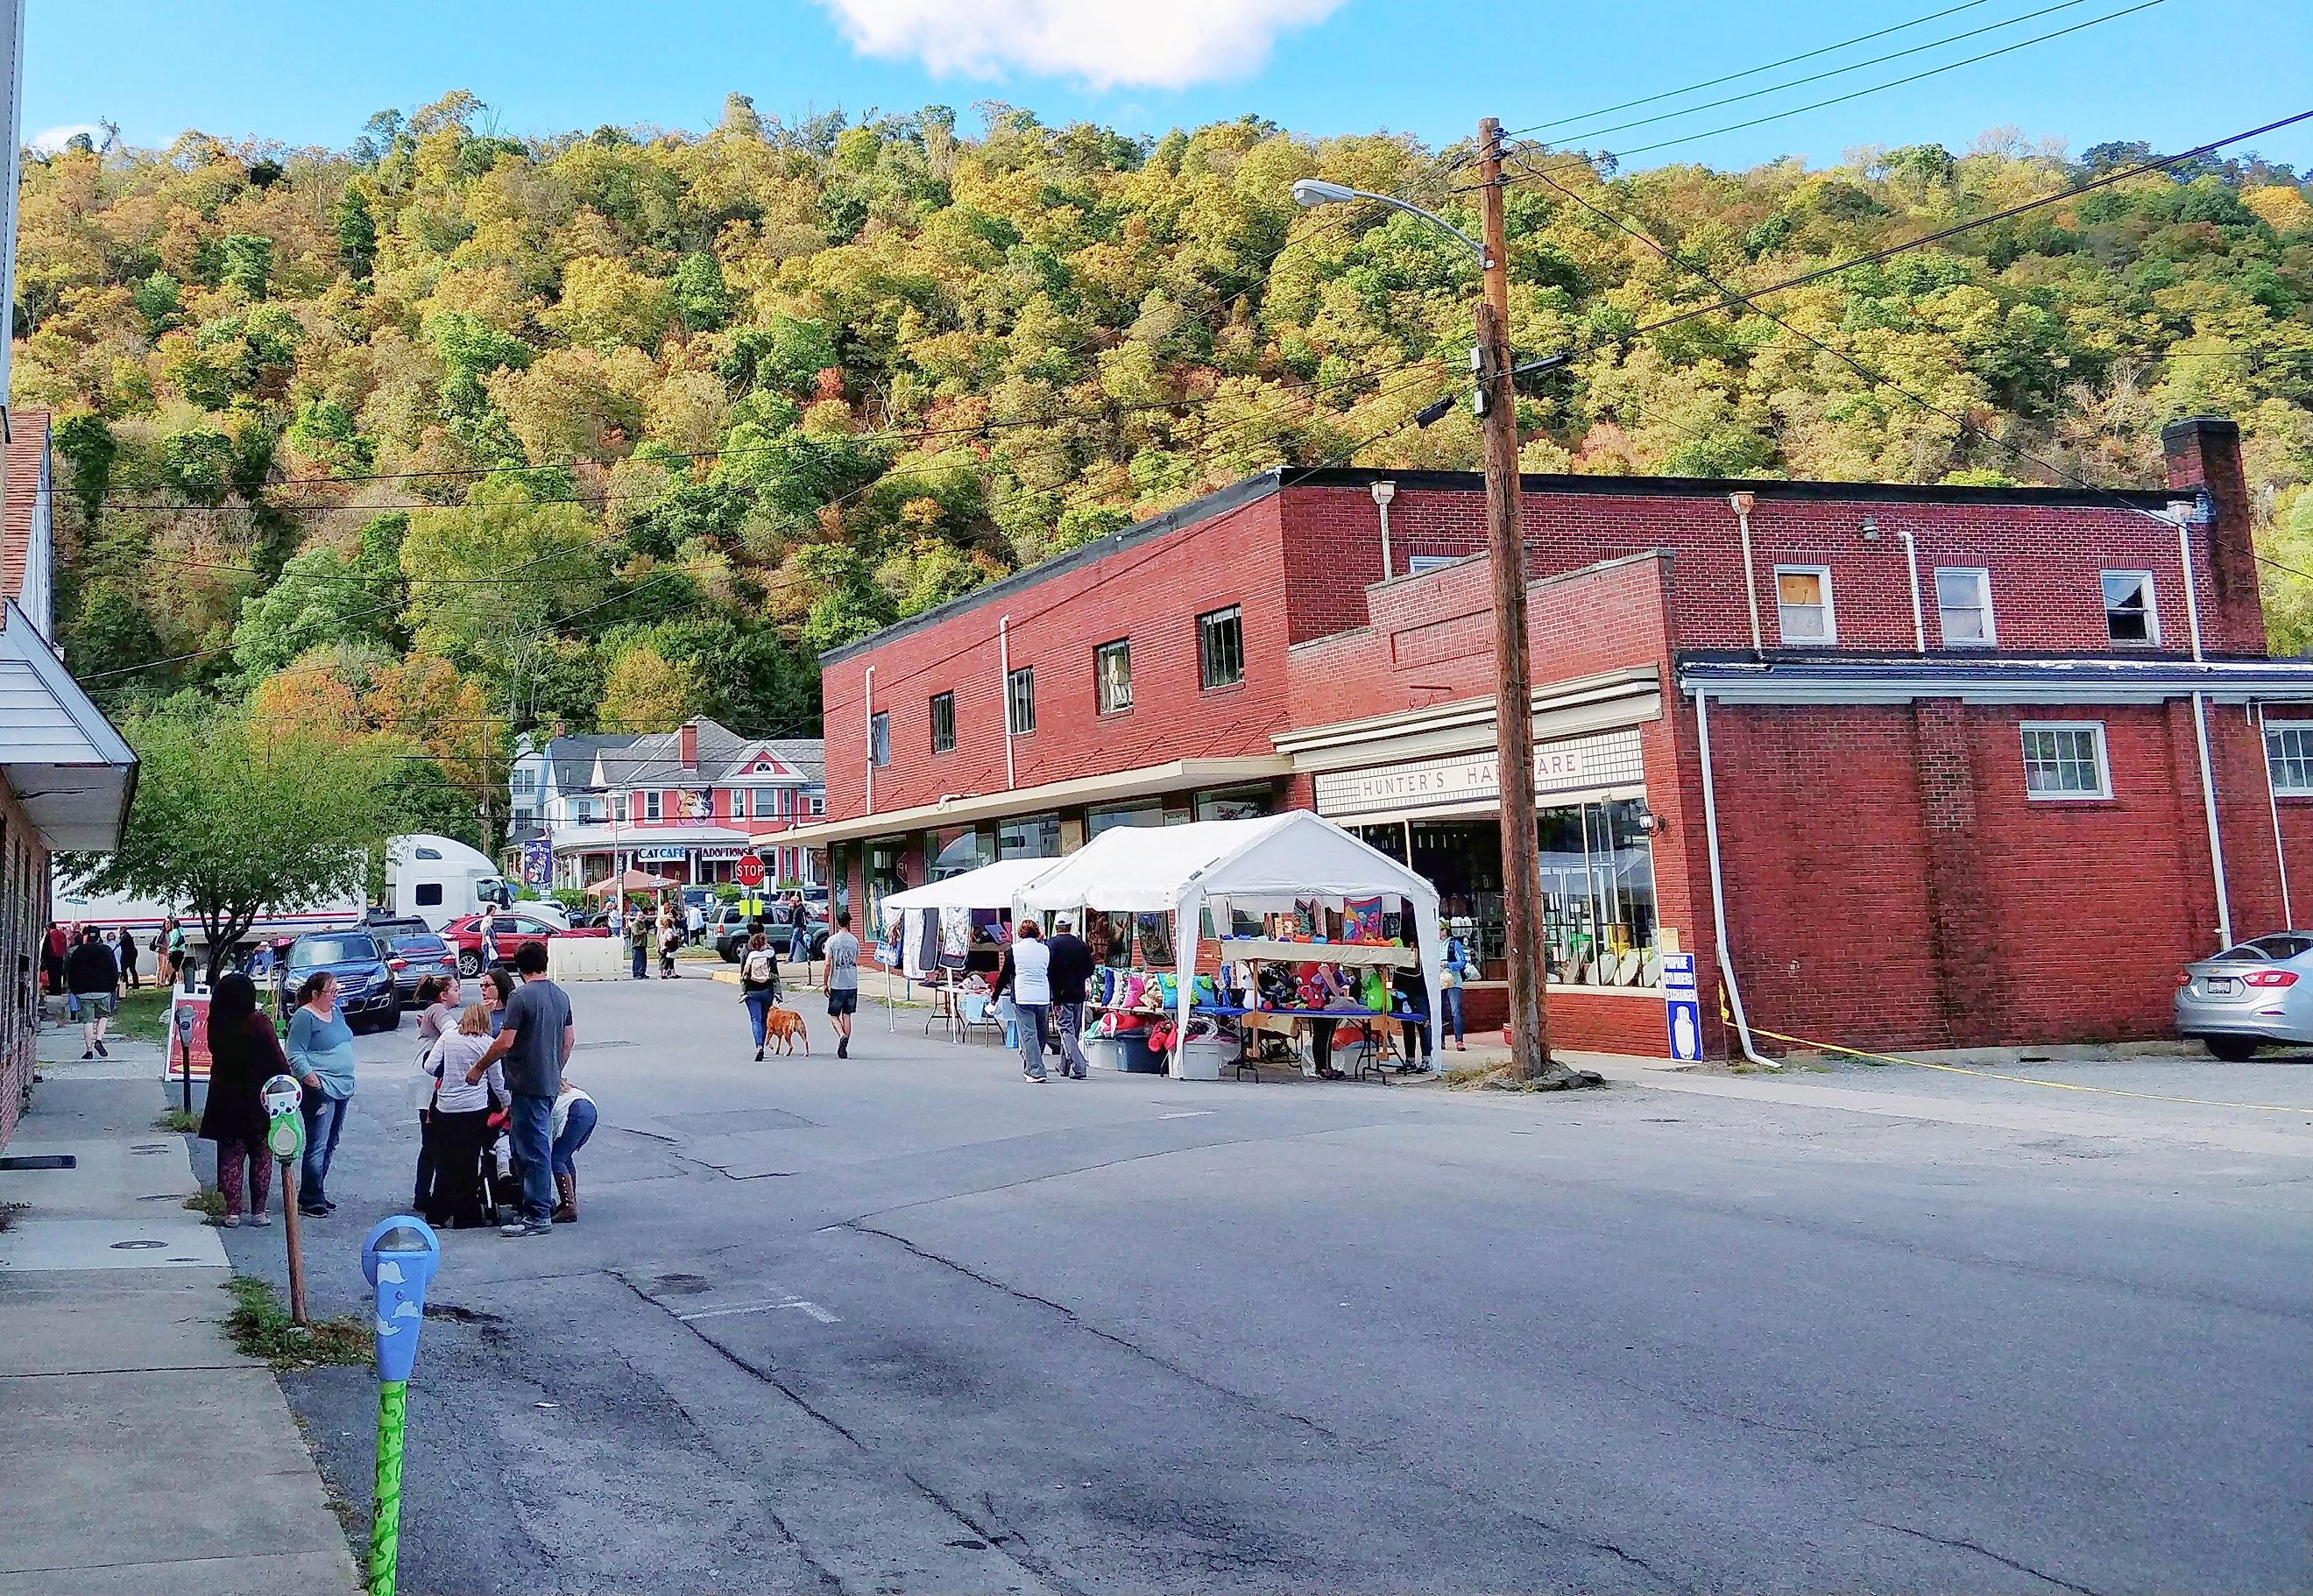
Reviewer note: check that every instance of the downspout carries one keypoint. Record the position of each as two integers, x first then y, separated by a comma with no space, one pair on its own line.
2201,738
1718,887
1918,618
1740,503
867,699
2273,806
1383,493
1004,665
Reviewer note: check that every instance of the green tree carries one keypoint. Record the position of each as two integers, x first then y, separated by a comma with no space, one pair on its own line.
489,577
89,448
245,262
232,817
645,691
357,233
701,297
320,598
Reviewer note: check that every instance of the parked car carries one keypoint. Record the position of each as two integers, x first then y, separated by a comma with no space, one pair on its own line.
727,930
413,955
515,931
367,995
2248,996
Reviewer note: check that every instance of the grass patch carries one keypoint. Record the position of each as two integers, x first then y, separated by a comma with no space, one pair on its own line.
177,1119
260,1327
144,1015
208,1201
1498,1077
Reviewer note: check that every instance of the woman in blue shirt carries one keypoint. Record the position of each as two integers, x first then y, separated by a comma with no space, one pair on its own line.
322,1053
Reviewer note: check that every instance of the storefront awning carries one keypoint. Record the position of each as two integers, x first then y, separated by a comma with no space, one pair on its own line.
1467,725
71,772
1145,781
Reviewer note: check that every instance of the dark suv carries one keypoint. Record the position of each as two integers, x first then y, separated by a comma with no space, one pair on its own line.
728,930
366,993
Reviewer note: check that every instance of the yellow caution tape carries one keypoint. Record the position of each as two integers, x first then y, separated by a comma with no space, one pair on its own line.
1957,1069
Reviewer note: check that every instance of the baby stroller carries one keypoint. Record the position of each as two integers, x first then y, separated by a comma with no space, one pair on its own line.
501,1174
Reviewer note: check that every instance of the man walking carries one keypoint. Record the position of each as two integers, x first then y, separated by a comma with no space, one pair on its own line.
535,1045
1027,976
92,981
842,981
638,941
798,920
1071,970
695,922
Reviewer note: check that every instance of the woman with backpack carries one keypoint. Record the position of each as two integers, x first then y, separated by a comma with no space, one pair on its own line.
759,986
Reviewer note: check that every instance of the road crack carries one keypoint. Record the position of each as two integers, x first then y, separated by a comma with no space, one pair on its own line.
1984,1551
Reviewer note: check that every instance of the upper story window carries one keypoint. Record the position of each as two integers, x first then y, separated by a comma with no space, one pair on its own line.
651,806
819,804
1803,605
525,779
1112,676
943,723
1220,648
879,737
1020,701
2065,760
2289,757
618,808
1963,607
2130,614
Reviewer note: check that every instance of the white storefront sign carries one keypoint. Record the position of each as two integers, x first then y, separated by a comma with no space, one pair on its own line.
1610,758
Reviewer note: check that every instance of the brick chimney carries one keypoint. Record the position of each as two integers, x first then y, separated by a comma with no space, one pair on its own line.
2204,451
687,737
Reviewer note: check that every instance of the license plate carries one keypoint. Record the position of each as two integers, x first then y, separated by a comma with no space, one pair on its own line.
2222,984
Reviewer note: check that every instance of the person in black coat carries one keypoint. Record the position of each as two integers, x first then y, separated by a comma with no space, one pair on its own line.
1070,970
245,1054
92,978
1411,987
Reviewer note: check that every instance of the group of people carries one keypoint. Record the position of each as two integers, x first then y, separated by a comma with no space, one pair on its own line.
91,967
759,979
1046,979
669,932
505,1049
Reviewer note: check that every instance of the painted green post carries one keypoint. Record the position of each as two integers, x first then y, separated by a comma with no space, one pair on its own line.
385,1512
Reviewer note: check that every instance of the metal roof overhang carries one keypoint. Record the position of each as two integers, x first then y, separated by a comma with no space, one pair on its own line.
1598,703
2074,681
1145,781
72,774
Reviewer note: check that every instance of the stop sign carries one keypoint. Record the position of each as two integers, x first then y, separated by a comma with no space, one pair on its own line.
748,872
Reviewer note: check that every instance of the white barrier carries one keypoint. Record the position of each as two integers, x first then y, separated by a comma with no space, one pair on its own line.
586,958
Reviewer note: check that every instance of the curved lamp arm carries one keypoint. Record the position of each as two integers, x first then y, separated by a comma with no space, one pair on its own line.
1311,192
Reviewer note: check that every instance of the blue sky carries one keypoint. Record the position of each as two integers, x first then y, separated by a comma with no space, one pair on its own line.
2176,74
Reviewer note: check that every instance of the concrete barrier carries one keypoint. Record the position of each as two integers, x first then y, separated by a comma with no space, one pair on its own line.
586,958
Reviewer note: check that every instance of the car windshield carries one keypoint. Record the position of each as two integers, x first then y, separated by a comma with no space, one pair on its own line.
333,949
426,944
2269,949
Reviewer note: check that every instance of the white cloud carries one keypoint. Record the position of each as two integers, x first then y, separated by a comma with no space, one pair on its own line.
53,140
1166,44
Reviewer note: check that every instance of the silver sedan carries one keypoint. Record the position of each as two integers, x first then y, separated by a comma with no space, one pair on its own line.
2259,992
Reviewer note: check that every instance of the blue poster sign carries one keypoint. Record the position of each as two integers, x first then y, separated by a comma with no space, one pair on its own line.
1684,1010
538,862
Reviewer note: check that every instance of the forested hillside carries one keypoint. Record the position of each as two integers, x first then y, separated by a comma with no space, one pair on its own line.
599,430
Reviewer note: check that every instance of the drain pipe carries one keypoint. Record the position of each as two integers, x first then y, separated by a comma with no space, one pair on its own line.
1004,665
1741,503
1383,492
2273,808
1718,885
2201,736
1919,617
867,699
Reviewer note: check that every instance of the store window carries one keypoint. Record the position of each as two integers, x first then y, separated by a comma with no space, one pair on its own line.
2066,760
1020,700
2289,757
883,875
1803,604
879,737
1112,676
943,723
1599,895
1097,821
1963,607
1236,803
1220,648
1032,836
952,850
2129,615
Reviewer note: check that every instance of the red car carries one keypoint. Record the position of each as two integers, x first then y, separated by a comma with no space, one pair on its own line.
515,931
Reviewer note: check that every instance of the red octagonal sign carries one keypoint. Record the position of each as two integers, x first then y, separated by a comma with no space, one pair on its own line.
748,872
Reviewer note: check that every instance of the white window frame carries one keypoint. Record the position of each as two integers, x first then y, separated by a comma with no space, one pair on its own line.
1982,574
2103,794
2281,787
618,808
1020,701
879,739
1830,638
2151,638
1103,701
652,803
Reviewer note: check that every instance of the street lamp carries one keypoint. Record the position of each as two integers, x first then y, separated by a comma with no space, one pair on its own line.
1495,400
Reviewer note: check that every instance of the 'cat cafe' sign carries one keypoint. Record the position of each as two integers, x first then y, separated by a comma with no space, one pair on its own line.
1469,779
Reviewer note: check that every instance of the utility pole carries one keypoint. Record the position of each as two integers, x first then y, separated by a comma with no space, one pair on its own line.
1529,1018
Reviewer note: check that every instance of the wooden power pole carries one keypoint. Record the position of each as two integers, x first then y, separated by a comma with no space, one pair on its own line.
1529,1018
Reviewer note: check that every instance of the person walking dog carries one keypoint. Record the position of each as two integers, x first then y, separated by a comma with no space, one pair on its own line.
759,986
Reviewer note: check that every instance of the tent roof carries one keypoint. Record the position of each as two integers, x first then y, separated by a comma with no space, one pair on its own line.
992,886
1145,870
634,881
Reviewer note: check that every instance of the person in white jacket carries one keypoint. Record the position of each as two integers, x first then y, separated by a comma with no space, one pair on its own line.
462,1117
1027,975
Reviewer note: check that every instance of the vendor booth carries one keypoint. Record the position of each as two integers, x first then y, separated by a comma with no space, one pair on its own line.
1291,879
952,917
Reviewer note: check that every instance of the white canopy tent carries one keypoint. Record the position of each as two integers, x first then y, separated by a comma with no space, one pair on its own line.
990,886
1261,866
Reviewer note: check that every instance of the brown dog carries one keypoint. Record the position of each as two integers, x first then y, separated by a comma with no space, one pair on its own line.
786,1028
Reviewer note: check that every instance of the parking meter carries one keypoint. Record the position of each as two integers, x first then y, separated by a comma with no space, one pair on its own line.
183,1015
399,1258
285,1122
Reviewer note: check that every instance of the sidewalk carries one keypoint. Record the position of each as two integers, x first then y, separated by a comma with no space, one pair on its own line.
142,1452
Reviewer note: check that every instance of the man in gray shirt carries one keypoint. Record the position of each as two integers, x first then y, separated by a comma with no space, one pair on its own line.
534,1044
842,953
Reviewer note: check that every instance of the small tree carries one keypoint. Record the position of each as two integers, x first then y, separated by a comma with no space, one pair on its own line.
234,816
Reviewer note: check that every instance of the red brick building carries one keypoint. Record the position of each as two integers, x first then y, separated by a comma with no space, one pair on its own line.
1947,736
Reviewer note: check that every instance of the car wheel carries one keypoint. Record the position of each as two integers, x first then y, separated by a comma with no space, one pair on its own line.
729,948
469,964
2232,1049
392,1021
817,947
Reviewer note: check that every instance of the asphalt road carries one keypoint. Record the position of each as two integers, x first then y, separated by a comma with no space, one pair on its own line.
901,1323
